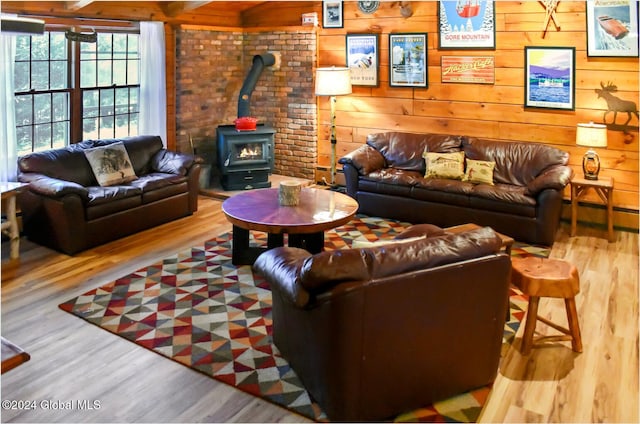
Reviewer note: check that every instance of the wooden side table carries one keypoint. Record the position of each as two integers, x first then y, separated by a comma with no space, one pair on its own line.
507,241
603,186
12,355
9,191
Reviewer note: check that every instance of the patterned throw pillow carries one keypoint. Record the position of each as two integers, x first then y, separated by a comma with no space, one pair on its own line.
111,164
444,165
479,172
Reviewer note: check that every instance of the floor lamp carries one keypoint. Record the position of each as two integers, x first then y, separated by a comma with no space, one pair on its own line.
333,82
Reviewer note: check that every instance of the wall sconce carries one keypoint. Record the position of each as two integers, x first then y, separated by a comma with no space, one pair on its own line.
591,135
333,82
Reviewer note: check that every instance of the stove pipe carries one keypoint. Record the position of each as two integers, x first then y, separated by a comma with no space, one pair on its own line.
259,62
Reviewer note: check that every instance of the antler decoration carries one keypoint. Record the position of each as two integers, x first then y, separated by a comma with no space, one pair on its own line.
550,6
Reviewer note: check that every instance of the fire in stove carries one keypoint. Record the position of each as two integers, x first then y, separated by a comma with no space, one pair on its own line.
250,151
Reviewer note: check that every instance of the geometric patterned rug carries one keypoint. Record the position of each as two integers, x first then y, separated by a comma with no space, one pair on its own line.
200,310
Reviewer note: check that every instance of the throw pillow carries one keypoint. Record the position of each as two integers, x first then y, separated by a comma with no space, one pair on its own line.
479,172
110,164
444,165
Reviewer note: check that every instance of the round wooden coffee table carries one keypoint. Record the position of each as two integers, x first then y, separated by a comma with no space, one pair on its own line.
318,210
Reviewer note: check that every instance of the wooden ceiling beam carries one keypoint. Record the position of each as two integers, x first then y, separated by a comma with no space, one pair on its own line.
175,8
77,5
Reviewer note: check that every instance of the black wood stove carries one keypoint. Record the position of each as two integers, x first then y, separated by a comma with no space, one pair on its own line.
245,157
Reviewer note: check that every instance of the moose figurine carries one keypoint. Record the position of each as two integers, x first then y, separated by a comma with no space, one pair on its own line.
616,104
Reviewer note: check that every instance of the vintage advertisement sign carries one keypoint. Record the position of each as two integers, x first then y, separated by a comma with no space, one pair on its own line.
408,60
468,69
466,24
362,59
612,28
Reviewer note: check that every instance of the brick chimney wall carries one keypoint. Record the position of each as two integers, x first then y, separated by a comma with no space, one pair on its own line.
211,68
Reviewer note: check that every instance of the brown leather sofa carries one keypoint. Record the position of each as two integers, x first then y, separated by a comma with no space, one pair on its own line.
386,177
66,209
374,332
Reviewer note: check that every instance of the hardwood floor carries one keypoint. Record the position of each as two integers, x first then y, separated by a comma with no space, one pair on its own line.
72,360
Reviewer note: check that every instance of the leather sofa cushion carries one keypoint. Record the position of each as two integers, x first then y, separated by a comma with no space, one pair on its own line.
323,270
141,149
455,197
181,188
68,164
157,180
517,163
169,162
390,188
394,176
506,193
113,206
445,185
404,150
99,195
499,206
418,230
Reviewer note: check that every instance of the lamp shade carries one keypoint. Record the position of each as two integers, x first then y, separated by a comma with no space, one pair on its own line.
333,81
591,135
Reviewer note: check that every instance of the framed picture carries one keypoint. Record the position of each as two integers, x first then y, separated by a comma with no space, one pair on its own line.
550,77
468,69
332,14
612,28
466,24
362,59
408,60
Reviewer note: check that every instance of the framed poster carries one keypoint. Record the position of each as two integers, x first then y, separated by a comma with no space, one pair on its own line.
468,69
408,60
466,24
332,14
612,28
549,79
362,59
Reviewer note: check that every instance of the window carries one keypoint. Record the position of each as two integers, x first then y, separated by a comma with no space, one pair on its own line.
42,92
60,100
109,82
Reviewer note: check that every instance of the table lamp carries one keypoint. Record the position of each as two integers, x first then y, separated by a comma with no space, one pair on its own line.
591,135
333,82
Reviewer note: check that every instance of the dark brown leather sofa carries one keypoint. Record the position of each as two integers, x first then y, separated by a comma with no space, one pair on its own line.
378,331
386,177
66,209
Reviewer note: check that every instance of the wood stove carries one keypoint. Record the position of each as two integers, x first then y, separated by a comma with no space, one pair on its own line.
245,158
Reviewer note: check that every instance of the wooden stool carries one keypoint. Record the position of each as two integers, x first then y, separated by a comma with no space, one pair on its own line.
543,277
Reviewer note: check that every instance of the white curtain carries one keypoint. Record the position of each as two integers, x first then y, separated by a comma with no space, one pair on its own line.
153,92
8,140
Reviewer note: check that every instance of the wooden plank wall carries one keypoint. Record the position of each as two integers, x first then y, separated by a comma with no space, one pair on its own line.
493,111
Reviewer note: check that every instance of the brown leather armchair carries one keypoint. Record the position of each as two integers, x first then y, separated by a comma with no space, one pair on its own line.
374,332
